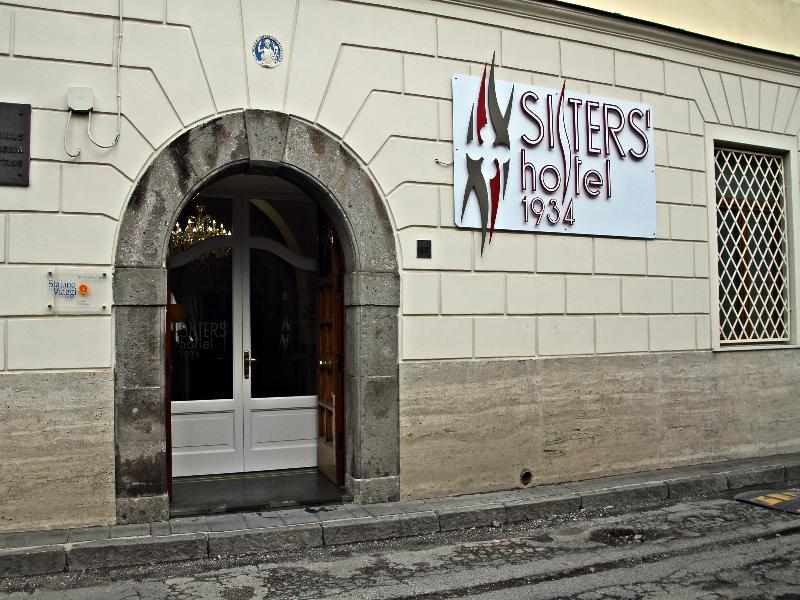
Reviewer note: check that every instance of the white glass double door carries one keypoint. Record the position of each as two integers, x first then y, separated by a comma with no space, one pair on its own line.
242,338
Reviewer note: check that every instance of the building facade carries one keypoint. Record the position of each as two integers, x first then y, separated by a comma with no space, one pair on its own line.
314,142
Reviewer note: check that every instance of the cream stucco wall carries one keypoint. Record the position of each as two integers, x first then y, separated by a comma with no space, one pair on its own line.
376,75
766,24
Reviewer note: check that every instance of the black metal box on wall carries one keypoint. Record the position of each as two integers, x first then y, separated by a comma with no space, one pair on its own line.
15,143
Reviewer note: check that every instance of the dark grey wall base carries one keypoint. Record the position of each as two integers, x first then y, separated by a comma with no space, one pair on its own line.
371,491
143,509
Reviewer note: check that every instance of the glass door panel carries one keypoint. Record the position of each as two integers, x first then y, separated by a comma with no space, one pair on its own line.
201,335
280,416
281,328
205,412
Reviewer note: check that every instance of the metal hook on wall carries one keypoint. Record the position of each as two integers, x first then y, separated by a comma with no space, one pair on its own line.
443,163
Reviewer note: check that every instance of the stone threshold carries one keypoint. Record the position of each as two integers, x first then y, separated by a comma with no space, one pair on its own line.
237,534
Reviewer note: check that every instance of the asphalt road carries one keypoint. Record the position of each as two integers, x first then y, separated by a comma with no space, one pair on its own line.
706,549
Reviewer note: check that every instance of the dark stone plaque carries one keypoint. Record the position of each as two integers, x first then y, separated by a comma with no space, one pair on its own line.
15,143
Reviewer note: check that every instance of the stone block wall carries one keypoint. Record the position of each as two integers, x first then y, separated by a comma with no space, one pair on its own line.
476,424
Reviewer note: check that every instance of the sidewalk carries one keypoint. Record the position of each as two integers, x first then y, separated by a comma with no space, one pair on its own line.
189,538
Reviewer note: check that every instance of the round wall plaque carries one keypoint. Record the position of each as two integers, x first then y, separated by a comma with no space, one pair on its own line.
267,51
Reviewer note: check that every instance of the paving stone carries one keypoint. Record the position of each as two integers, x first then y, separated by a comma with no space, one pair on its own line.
691,487
757,476
88,534
342,512
131,530
357,510
137,551
188,525
457,502
535,508
399,508
254,541
478,499
296,516
625,496
744,464
465,517
32,561
26,539
541,491
259,520
618,481
364,529
161,528
229,522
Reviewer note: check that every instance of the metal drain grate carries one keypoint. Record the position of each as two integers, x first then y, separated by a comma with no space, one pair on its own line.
752,249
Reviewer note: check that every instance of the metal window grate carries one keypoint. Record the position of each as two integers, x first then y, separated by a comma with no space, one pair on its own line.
752,249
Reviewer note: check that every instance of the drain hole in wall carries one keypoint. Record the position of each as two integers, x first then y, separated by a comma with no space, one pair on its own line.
526,477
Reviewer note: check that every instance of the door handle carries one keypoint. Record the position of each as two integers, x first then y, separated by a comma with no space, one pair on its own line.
248,360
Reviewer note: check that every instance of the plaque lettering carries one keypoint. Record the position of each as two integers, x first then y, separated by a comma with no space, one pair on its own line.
15,143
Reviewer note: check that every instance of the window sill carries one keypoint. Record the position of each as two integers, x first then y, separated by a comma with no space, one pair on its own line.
753,347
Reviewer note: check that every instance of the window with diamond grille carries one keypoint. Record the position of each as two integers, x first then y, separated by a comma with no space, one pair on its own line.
751,247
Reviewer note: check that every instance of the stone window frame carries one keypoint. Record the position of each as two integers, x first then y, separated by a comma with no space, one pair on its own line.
257,142
724,136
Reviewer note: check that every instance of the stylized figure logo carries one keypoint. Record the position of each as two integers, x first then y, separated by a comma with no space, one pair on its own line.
488,201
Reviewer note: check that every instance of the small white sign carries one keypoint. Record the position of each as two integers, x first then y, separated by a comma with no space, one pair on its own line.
529,158
79,290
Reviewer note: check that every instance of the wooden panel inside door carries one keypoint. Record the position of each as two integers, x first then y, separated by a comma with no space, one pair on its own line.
330,357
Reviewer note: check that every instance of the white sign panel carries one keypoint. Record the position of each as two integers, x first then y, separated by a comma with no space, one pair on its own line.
529,158
79,290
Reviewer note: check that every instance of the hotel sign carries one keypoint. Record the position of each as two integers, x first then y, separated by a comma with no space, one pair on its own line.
15,143
78,291
530,158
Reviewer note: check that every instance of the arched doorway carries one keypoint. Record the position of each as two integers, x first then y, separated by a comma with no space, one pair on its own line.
254,350
270,144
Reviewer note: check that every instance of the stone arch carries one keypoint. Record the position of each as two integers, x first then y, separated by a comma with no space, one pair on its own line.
262,142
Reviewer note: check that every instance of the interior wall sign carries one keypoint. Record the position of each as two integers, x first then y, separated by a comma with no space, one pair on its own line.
267,51
15,143
530,158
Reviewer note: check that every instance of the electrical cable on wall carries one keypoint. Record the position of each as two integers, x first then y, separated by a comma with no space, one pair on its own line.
119,91
66,135
85,102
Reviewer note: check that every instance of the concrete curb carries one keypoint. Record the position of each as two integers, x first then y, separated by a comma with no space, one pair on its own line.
34,553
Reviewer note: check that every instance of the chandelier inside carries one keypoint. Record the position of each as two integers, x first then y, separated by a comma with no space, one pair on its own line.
199,227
